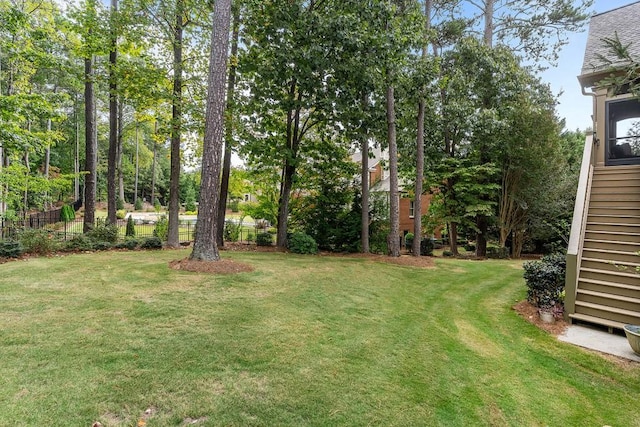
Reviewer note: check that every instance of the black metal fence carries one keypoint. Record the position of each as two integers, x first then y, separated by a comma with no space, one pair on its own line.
67,230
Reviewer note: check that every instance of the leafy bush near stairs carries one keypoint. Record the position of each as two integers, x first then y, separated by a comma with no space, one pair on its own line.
545,281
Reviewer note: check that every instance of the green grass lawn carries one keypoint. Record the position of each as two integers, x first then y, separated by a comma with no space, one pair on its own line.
302,340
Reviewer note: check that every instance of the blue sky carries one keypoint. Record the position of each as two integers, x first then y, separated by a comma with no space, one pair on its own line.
575,107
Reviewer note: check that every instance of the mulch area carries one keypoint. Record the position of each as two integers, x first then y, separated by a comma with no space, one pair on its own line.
530,314
227,266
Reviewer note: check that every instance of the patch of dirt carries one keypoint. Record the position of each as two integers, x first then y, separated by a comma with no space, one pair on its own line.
223,266
530,314
406,260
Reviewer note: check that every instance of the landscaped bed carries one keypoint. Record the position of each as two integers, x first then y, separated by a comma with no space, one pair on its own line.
120,338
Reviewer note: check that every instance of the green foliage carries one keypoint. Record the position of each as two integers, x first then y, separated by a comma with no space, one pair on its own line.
103,233
426,246
497,252
138,204
264,239
447,254
38,241
128,243
121,213
250,237
10,249
545,280
162,228
131,227
151,243
157,206
302,243
102,246
120,204
231,231
67,213
408,240
79,243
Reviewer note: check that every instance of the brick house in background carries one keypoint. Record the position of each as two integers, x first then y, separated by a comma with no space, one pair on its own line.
379,183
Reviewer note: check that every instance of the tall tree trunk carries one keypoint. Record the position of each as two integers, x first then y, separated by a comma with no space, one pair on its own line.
417,206
228,140
394,200
91,148
205,247
289,168
153,164
120,172
76,157
176,130
47,165
364,232
482,223
137,174
488,22
113,120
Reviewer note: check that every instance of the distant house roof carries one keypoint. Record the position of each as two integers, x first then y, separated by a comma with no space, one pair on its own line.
623,21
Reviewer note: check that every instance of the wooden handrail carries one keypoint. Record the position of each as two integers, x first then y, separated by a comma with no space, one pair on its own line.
576,238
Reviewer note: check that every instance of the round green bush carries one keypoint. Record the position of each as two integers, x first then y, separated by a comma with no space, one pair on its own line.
302,243
67,213
151,243
10,249
264,239
138,204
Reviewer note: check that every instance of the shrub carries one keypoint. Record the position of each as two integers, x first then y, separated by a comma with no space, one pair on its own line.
408,240
131,227
67,213
264,239
470,247
138,204
79,243
447,254
272,230
121,213
250,237
234,205
231,231
10,249
156,205
104,233
129,244
151,243
102,246
545,280
120,204
190,206
162,228
497,253
302,243
426,246
38,241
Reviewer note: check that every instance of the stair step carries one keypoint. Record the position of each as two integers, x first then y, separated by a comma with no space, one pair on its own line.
613,219
618,236
618,265
613,210
616,170
609,309
628,278
612,224
606,286
597,320
605,295
605,206
611,255
611,245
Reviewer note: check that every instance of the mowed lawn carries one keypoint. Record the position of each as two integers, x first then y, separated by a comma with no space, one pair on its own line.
121,339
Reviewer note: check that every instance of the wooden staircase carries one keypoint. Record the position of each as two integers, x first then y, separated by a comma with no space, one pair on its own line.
608,289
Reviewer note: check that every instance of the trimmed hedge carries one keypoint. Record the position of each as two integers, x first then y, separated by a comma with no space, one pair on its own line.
545,280
302,243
